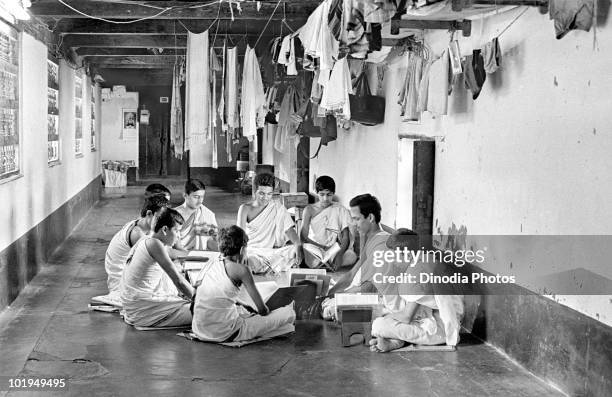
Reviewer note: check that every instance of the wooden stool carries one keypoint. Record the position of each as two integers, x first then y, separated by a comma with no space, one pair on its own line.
355,320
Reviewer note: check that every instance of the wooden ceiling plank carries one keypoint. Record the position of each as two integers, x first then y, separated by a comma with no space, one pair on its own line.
164,26
181,10
119,52
144,41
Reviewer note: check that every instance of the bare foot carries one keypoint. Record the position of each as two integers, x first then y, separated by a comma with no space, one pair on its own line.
387,344
373,342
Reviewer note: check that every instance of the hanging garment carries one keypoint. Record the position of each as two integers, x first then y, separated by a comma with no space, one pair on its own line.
374,37
317,38
492,56
287,55
221,107
232,114
423,89
336,92
571,14
376,11
287,125
316,91
356,38
253,97
410,90
215,66
437,93
474,73
176,113
197,102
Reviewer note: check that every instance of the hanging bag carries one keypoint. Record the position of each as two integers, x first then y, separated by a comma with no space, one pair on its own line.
366,109
307,127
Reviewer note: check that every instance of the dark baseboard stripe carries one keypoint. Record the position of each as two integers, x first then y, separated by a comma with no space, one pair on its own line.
558,344
21,261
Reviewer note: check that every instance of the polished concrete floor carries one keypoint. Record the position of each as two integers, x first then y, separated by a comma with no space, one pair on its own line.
48,331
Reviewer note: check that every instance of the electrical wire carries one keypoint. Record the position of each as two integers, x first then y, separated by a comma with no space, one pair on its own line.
162,11
514,20
267,23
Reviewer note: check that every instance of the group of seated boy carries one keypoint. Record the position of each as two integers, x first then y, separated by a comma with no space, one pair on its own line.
151,290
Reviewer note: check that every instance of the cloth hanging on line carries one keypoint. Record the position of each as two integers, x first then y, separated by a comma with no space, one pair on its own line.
409,94
474,73
176,112
492,56
437,94
423,93
221,107
571,14
335,96
232,114
287,55
253,97
215,67
232,88
317,38
286,126
197,90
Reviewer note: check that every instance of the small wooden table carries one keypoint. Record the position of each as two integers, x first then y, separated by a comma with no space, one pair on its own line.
355,320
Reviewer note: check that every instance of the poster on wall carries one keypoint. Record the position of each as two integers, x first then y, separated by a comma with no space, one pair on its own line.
129,124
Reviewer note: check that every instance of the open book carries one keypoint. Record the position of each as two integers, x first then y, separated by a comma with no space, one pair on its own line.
324,256
321,281
266,290
273,296
199,256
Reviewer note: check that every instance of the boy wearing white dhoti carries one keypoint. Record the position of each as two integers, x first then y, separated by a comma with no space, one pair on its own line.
366,214
269,226
418,319
200,227
122,242
147,300
325,229
216,316
414,313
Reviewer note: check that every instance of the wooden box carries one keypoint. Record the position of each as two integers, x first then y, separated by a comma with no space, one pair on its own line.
290,200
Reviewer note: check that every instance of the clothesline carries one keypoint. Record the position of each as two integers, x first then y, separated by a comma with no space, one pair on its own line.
513,21
267,23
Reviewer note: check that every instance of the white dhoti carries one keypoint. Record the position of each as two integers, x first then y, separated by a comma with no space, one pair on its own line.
436,320
427,331
217,317
201,216
255,326
147,296
262,260
266,249
325,229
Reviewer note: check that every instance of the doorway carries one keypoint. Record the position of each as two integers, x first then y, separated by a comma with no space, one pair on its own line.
156,155
415,186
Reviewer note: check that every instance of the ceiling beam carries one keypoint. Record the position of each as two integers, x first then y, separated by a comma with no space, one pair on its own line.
135,77
465,26
138,60
93,52
127,66
165,26
179,10
146,41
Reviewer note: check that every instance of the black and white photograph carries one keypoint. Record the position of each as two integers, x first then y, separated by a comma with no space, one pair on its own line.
129,119
306,198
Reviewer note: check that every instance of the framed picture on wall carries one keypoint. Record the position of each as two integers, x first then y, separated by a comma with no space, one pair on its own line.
129,119
129,124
